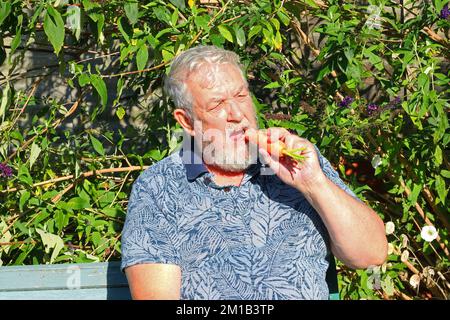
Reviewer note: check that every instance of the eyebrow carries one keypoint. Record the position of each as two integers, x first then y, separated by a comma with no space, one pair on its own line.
220,98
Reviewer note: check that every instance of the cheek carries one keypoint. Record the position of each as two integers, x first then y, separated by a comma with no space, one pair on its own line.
249,111
222,114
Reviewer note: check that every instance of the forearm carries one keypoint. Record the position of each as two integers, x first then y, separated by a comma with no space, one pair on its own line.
357,233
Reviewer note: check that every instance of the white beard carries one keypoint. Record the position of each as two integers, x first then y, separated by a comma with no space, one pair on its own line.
231,156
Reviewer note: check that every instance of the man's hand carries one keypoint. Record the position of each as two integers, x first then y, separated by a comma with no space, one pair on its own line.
357,233
302,175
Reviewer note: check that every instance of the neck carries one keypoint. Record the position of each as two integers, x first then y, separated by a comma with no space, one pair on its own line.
222,177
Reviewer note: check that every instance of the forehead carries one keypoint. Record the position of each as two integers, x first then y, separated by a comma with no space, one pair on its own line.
217,77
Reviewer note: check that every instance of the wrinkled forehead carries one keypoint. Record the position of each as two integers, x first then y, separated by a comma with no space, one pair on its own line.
207,75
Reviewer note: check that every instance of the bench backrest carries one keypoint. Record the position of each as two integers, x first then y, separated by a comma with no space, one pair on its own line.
86,281
96,281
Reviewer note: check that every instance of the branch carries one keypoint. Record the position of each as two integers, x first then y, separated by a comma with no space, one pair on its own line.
83,175
136,71
315,51
424,217
54,125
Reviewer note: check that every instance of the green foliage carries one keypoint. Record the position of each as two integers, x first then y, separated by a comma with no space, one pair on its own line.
72,174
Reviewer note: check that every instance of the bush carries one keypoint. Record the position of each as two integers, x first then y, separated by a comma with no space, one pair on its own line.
367,82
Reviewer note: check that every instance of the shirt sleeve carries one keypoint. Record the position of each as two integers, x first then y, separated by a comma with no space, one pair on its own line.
148,236
333,175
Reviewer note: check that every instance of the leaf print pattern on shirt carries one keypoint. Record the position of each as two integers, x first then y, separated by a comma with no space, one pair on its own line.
261,240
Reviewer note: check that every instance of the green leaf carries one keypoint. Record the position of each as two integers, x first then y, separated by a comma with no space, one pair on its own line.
272,85
51,241
5,10
310,3
74,20
283,18
61,219
202,22
78,203
97,145
415,193
167,55
100,87
114,212
16,40
226,33
24,175
162,14
120,113
131,11
54,28
125,29
445,173
96,238
278,41
255,30
155,154
83,79
375,60
23,199
179,4
441,189
240,37
6,98
217,39
438,156
142,57
35,151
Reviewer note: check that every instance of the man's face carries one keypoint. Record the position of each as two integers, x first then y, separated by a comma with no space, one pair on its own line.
223,110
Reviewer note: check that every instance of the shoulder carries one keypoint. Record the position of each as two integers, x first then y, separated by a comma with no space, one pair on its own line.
169,168
160,179
160,176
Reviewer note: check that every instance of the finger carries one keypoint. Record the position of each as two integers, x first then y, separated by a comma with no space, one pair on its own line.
275,134
293,142
274,164
267,159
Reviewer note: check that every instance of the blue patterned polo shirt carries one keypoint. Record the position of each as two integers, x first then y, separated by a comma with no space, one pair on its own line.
261,240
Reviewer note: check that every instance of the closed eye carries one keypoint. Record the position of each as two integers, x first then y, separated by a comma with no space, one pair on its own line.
216,104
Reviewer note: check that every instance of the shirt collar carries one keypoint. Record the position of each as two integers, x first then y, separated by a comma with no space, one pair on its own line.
193,163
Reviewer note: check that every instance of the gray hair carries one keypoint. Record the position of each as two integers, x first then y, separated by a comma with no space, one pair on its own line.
189,61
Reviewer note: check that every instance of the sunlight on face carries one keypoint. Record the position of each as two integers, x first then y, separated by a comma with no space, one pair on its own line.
223,110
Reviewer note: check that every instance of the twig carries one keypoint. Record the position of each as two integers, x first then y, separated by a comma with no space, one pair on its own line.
136,71
315,51
428,195
16,242
120,189
425,218
98,57
33,89
402,295
232,19
435,36
407,192
54,125
84,175
214,18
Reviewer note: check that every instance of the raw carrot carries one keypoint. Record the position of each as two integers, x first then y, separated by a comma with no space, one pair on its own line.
277,148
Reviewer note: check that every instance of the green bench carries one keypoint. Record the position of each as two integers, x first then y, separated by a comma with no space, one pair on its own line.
86,281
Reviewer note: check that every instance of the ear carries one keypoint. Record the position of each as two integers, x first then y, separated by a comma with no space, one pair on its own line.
184,120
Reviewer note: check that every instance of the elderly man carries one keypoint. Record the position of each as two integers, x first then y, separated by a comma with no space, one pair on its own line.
213,222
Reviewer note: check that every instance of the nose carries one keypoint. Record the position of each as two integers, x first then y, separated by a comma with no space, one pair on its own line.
234,112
